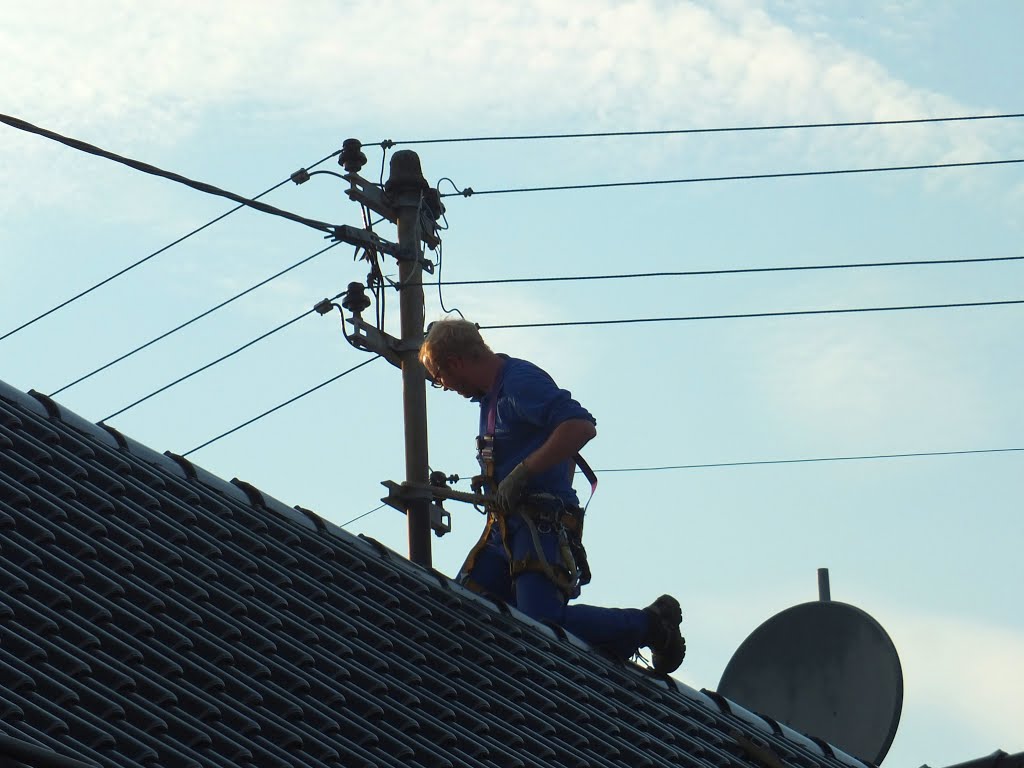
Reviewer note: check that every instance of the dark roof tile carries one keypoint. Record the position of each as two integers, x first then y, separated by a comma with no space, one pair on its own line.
200,622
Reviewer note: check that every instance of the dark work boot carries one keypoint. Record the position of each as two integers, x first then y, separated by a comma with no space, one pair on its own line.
668,648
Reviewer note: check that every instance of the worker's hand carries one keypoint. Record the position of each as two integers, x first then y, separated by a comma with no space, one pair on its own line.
511,489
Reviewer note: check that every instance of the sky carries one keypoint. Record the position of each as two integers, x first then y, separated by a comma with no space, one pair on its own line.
240,95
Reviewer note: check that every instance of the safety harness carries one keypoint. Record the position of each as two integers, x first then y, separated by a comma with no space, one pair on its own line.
541,513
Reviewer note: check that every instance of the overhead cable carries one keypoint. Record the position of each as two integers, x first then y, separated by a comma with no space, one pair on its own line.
187,323
212,363
816,459
360,517
282,405
143,260
750,315
470,192
738,271
138,165
388,143
770,462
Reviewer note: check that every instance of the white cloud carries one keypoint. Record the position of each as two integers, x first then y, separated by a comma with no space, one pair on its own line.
971,669
145,72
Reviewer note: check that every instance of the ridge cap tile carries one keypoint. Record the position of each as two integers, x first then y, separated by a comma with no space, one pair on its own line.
22,399
54,411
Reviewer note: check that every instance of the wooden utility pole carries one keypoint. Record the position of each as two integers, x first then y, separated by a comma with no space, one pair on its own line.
408,201
406,187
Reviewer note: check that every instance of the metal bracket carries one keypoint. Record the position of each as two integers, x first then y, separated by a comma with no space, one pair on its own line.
399,497
368,337
362,238
372,196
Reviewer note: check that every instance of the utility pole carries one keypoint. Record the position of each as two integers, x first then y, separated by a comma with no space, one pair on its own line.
406,186
407,201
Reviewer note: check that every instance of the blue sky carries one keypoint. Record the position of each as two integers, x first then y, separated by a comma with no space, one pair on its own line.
240,95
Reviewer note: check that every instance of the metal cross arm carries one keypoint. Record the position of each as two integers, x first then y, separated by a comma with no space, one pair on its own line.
364,238
373,197
401,496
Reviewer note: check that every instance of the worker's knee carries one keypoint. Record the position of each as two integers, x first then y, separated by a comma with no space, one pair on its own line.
539,598
490,576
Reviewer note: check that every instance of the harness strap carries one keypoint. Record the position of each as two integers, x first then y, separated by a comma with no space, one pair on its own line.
485,447
588,473
492,520
564,580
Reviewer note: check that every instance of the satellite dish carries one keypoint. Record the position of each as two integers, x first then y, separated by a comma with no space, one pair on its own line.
826,669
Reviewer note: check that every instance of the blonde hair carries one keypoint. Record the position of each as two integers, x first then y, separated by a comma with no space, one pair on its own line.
452,338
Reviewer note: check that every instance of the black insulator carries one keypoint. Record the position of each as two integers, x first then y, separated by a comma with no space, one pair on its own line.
301,176
406,173
356,299
352,158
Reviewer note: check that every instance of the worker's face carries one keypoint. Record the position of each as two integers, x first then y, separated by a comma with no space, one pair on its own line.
453,374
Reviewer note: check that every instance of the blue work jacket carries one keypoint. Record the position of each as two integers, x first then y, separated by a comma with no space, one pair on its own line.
528,408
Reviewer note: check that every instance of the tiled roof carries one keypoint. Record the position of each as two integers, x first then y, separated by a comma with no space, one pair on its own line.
155,615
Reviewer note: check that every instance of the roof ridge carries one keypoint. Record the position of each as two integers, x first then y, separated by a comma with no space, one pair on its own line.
180,545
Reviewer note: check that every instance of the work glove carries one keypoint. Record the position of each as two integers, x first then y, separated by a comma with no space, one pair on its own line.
511,489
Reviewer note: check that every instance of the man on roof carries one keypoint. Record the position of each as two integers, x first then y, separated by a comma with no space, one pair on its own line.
531,554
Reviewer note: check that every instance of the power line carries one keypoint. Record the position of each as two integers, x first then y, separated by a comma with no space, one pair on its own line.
282,405
360,517
751,315
138,165
201,315
739,271
815,459
212,363
470,192
388,143
143,260
771,462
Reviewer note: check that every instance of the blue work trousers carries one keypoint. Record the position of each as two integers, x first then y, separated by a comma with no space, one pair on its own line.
618,631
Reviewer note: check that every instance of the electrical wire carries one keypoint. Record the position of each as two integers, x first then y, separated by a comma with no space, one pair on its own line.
440,296
155,253
815,459
138,165
360,517
187,323
739,271
212,363
751,315
282,405
470,192
772,462
387,143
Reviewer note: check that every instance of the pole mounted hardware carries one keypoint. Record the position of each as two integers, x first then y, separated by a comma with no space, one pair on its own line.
367,336
382,203
352,158
364,238
355,300
401,497
324,307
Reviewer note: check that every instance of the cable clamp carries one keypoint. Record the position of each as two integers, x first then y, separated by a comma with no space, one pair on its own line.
424,262
364,238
